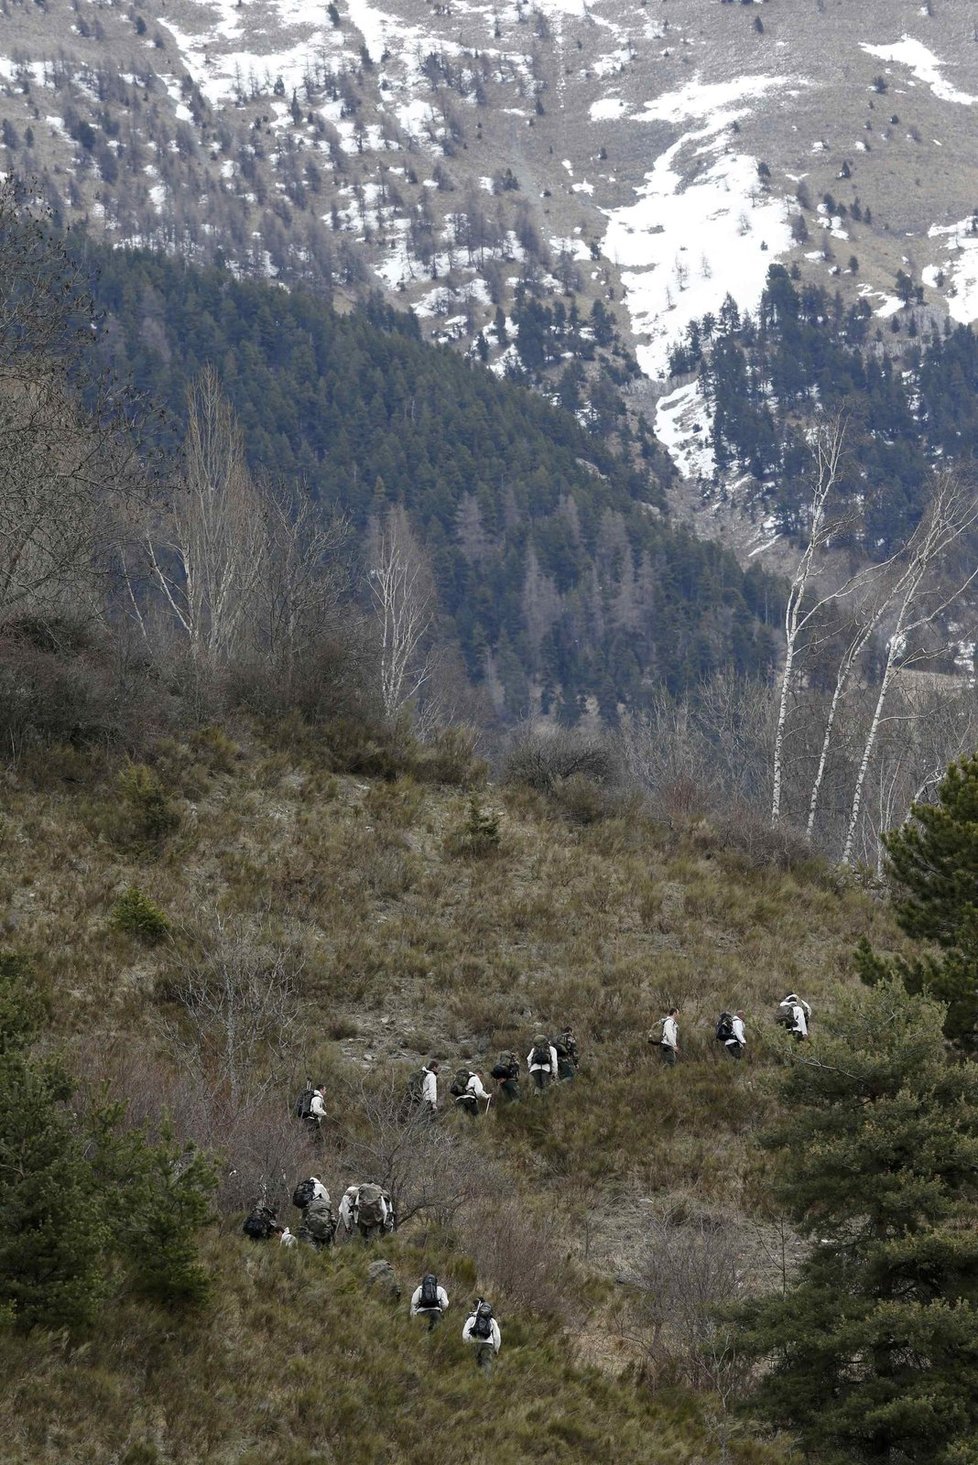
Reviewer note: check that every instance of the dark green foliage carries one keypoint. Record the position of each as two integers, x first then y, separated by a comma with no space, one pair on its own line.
24,1007
478,833
139,916
807,351
52,1222
870,1354
84,1203
540,537
933,863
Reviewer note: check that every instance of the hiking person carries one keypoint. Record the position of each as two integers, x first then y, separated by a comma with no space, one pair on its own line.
261,1222
797,1015
303,1103
429,1300
318,1225
541,1061
731,1033
669,1039
369,1209
482,1331
467,1090
317,1110
429,1088
506,1072
565,1046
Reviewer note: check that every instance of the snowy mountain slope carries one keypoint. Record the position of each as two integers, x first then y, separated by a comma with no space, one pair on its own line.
653,157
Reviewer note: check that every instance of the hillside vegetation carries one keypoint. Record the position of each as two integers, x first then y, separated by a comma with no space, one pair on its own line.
404,937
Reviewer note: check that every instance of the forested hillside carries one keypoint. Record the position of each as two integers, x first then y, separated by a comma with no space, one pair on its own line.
908,390
554,565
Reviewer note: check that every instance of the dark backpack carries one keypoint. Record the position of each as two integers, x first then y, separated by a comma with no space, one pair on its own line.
416,1086
540,1057
258,1225
370,1209
506,1068
460,1083
724,1028
319,1222
303,1193
482,1327
303,1104
429,1292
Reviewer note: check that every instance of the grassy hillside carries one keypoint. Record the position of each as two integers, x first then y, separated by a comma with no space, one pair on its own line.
399,941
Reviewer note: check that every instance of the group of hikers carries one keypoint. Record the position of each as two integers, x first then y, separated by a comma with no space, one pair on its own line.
793,1013
369,1210
549,1061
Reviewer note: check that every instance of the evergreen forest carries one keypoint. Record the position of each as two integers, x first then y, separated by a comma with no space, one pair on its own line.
555,564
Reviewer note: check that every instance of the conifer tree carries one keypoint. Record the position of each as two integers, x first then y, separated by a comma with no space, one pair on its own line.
871,1354
933,863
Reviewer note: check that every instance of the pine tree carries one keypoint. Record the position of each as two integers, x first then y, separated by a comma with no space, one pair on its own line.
870,1354
52,1231
933,864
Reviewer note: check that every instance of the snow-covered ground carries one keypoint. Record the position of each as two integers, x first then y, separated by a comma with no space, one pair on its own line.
689,241
960,270
924,66
683,424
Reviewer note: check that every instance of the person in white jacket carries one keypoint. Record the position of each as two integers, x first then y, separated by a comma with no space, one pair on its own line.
669,1042
429,1087
737,1041
541,1062
422,1304
481,1331
317,1109
799,1012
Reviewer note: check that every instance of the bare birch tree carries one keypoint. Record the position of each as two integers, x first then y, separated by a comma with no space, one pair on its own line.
404,597
923,596
800,612
211,552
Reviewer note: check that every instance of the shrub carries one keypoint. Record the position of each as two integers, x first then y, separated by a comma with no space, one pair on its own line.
450,759
542,760
148,810
477,835
139,916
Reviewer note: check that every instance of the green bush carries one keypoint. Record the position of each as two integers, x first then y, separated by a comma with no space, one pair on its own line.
137,915
149,812
477,835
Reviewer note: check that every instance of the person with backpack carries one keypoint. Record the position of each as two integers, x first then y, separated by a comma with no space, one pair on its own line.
796,1016
482,1331
506,1073
317,1110
318,1225
565,1046
541,1061
467,1090
731,1033
669,1039
261,1222
430,1300
368,1209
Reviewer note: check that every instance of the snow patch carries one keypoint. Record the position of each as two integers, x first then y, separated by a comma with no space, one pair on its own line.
960,270
923,64
684,425
683,246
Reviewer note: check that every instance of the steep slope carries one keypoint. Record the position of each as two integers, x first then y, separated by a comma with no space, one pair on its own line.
657,155
557,575
401,943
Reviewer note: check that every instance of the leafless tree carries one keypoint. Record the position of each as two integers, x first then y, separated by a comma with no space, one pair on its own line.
240,997
429,1167
404,596
209,555
924,593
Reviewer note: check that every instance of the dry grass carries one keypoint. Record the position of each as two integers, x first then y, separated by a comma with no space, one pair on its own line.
399,948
